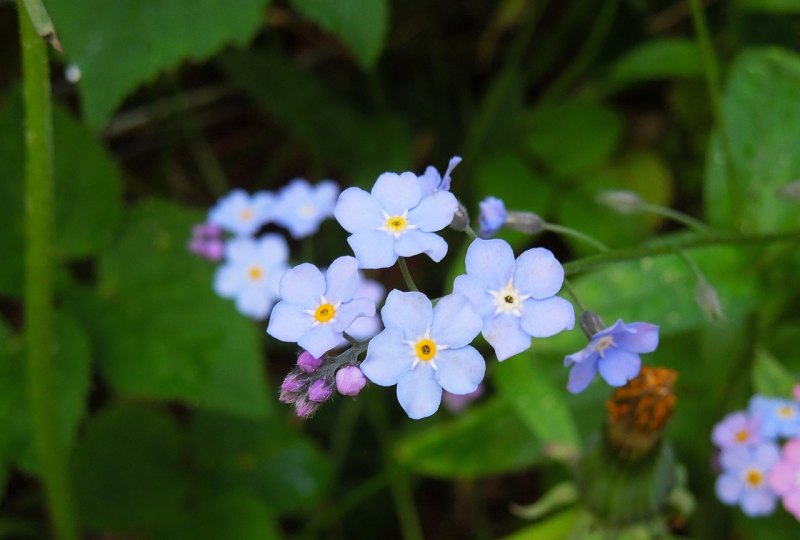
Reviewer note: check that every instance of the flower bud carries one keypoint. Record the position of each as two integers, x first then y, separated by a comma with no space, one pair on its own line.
790,191
706,297
624,202
350,381
319,391
307,362
796,392
526,222
304,408
291,385
460,218
591,323
492,216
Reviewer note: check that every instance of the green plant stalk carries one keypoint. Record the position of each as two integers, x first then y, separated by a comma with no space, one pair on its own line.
39,312
41,22
678,217
401,261
567,231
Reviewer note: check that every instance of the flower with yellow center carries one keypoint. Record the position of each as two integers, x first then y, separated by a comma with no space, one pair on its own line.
255,273
508,299
325,312
246,214
396,225
753,478
425,350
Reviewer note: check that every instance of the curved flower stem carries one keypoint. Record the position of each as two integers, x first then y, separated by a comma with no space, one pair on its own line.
470,232
39,312
679,217
571,291
567,231
670,245
401,261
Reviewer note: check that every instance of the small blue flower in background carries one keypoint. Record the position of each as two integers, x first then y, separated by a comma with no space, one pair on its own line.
778,417
395,219
424,349
251,273
492,217
301,207
744,478
315,309
430,181
737,429
241,214
614,352
516,298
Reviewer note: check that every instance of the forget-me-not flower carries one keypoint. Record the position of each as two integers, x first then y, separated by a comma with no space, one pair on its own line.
430,181
397,218
744,478
301,207
515,298
778,417
315,309
737,429
492,217
424,349
365,327
784,478
614,352
251,273
241,214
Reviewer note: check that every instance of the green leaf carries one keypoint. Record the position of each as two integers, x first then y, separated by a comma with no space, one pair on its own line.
260,456
773,6
361,24
557,497
129,469
556,527
762,121
160,330
487,439
536,400
770,377
119,45
667,58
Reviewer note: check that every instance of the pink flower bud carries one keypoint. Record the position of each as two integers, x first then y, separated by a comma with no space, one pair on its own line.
292,384
307,362
796,392
319,391
350,381
304,408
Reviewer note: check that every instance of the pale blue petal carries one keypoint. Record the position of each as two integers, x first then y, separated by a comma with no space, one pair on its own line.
272,249
342,279
254,303
418,392
373,249
475,291
429,181
505,335
227,280
397,192
320,339
415,242
638,337
388,357
410,312
735,458
578,357
358,211
460,371
364,328
325,194
618,366
445,185
455,324
758,502
490,262
548,317
350,311
538,273
264,205
288,322
729,488
582,374
303,285
240,249
434,212
766,455
273,280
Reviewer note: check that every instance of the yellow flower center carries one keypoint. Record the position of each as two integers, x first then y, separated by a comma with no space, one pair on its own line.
425,349
742,436
753,478
307,211
324,313
255,273
786,411
246,214
396,224
603,343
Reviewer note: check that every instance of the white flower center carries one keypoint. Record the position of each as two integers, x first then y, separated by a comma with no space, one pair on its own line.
508,299
325,312
396,225
603,343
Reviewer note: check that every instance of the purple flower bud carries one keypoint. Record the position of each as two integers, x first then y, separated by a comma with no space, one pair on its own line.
304,408
350,381
492,216
319,391
307,362
214,250
292,384
796,392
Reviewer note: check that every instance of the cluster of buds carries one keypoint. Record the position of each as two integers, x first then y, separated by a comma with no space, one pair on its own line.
207,241
313,381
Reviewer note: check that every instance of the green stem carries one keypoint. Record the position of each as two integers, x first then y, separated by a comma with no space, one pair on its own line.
676,216
401,261
39,312
571,291
670,245
42,23
567,231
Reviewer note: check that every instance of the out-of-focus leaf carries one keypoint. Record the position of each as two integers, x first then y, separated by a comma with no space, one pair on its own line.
556,527
762,121
540,405
658,59
770,377
119,45
160,330
773,6
87,184
128,470
487,439
556,497
280,466
361,24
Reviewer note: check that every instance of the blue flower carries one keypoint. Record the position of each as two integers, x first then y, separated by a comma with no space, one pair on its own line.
424,349
516,298
395,219
314,309
736,429
366,327
251,273
492,217
778,417
301,207
241,214
614,351
744,478
430,181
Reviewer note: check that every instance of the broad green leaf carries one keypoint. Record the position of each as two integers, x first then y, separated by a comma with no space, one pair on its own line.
361,24
160,330
762,122
270,460
667,58
557,497
770,377
556,527
773,6
536,400
119,45
129,469
486,439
